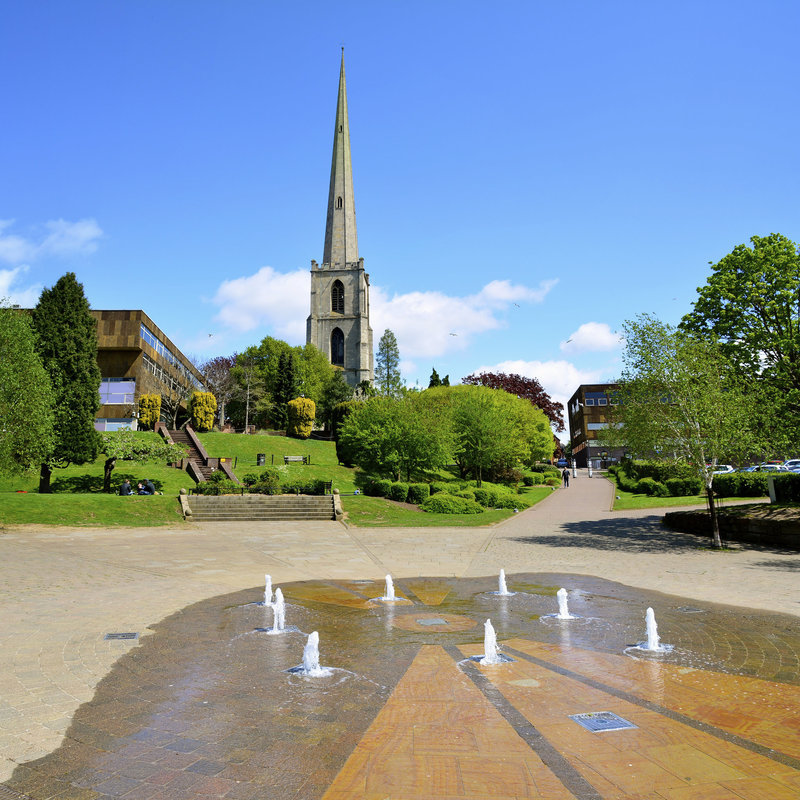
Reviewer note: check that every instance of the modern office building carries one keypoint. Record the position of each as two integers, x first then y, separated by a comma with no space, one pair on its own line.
136,357
588,412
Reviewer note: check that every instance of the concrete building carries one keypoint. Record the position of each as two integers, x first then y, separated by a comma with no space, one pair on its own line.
135,357
338,324
588,411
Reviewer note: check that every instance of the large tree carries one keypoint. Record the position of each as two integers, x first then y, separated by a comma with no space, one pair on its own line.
396,438
137,446
681,400
26,397
528,388
387,366
67,346
750,304
494,431
218,375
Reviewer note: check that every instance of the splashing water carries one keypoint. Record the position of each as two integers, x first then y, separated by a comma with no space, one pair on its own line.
389,595
279,612
311,657
653,642
268,590
563,606
490,654
502,589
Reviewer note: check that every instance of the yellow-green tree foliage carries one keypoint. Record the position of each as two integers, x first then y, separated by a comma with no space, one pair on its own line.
149,410
301,412
203,406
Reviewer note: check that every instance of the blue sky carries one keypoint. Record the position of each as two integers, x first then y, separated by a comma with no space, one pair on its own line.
527,174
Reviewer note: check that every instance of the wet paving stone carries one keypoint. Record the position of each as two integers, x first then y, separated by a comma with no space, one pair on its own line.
205,707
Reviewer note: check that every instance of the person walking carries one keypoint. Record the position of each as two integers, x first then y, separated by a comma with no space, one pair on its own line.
565,478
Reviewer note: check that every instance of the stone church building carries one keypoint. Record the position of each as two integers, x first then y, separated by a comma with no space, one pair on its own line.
338,324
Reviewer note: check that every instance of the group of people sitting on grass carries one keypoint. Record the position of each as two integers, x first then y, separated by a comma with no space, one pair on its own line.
143,487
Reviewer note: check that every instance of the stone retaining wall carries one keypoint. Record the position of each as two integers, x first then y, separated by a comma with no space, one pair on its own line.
767,527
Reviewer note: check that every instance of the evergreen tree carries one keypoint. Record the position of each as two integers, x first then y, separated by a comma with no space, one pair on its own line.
446,380
435,380
26,399
67,346
286,389
387,371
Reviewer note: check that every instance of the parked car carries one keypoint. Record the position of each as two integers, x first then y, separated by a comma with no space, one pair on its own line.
771,468
792,464
754,468
562,462
723,469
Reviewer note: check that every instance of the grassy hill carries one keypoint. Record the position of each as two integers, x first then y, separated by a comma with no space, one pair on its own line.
78,499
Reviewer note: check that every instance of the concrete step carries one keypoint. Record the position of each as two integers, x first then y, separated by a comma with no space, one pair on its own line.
240,508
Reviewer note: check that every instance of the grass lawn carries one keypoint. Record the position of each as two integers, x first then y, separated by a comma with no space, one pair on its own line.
89,510
625,501
78,498
378,512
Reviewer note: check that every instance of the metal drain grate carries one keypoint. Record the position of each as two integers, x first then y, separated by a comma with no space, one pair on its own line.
432,621
689,610
121,636
599,721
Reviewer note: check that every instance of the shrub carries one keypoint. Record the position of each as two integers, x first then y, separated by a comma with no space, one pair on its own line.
741,484
506,500
657,470
486,497
301,413
268,482
398,491
202,407
507,475
149,410
418,492
787,488
469,494
217,486
684,487
439,486
443,503
553,481
536,478
548,469
299,486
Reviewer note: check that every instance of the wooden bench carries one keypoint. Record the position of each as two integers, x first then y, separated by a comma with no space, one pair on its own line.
295,459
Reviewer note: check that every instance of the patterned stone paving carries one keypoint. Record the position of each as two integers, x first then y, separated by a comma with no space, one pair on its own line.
204,707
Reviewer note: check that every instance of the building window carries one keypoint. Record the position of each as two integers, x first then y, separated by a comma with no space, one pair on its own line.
105,424
338,202
589,401
337,348
117,390
160,348
337,297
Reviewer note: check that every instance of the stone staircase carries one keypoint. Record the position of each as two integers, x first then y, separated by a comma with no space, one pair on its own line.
261,508
180,436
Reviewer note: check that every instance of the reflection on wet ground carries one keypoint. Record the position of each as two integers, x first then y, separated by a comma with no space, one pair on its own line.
205,707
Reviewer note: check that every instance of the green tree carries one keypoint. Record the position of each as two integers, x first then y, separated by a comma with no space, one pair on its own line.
495,431
287,385
751,306
149,410
67,346
218,373
336,392
26,397
435,380
682,401
139,447
301,412
390,437
387,369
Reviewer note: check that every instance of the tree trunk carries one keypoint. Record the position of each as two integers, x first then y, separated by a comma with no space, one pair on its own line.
44,479
716,540
107,470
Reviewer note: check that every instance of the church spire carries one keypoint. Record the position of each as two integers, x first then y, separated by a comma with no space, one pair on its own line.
341,242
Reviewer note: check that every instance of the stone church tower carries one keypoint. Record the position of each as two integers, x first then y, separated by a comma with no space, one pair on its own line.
338,324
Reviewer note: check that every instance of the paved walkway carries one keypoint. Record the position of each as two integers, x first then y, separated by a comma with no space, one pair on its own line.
62,590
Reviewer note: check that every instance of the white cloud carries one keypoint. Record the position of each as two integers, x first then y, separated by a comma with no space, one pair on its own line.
591,337
431,324
268,298
25,297
427,324
61,238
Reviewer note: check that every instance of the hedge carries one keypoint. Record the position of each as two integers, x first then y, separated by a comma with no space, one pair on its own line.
787,487
684,487
443,503
418,492
741,484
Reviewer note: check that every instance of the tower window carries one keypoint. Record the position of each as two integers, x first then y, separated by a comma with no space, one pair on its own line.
338,202
337,348
337,297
